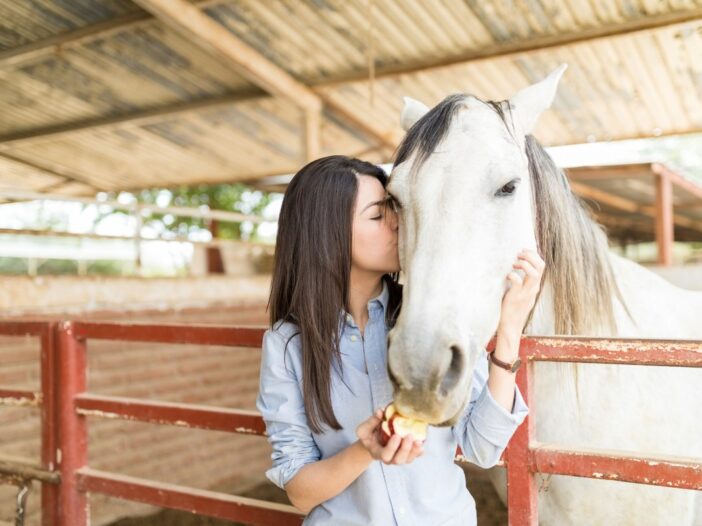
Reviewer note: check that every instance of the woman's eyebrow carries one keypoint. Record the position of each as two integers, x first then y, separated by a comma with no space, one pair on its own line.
372,204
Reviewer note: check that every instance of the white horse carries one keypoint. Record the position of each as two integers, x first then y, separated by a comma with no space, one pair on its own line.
473,188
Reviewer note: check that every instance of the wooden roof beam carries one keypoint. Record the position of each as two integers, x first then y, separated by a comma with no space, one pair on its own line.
188,20
83,35
627,205
677,179
204,31
615,171
16,57
139,118
66,176
521,47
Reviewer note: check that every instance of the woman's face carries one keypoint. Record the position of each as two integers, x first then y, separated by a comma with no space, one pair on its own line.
374,237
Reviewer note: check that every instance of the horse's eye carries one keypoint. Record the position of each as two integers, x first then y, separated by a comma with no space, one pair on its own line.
508,189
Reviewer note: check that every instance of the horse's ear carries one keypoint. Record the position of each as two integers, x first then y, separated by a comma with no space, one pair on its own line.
412,112
530,102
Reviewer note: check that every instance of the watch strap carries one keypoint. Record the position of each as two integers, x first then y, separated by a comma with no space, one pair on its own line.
511,367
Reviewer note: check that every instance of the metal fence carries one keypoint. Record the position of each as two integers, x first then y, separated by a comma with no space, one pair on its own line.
66,477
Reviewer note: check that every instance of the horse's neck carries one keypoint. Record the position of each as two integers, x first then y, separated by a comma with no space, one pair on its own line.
659,309
543,321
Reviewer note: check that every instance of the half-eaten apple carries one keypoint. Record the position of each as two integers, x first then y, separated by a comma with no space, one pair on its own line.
394,423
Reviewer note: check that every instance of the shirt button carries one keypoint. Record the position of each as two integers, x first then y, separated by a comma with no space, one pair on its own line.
353,338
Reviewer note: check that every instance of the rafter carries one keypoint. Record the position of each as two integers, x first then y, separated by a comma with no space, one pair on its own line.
34,51
66,175
628,205
139,118
522,47
204,31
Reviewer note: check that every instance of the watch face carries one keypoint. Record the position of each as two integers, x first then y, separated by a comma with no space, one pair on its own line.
516,364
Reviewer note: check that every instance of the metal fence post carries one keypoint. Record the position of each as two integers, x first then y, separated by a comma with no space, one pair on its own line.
72,451
522,495
49,424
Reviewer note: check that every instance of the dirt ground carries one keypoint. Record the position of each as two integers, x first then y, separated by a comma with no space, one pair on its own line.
491,511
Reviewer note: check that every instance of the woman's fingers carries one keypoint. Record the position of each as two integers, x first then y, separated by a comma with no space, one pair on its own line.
366,427
532,265
515,278
417,451
529,269
396,451
404,450
534,258
388,452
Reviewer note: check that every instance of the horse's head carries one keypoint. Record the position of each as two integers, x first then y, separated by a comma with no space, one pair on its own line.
461,182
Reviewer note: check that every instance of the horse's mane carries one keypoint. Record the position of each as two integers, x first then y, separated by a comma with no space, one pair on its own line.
572,244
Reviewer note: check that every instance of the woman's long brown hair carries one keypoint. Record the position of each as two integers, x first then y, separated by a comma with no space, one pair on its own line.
312,268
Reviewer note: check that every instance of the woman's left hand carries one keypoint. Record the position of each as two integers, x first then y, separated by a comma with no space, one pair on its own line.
519,299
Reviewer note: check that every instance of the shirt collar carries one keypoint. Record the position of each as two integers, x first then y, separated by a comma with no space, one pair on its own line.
380,302
382,298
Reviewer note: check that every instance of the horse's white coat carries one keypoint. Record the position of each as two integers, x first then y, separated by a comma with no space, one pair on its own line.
455,270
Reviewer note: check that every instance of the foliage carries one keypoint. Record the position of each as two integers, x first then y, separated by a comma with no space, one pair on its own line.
236,197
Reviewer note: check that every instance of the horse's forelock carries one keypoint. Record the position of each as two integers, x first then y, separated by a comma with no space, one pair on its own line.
424,136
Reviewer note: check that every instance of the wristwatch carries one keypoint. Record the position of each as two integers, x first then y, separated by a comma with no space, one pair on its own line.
511,367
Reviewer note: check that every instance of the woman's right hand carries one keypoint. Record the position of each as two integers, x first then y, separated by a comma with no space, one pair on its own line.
396,451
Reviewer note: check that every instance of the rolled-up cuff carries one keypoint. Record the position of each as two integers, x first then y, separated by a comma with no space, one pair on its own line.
493,421
282,474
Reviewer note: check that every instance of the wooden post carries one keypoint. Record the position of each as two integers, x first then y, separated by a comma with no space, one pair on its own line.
215,261
664,218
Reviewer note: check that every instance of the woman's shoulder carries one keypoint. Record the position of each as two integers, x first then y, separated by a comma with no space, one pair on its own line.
284,329
283,334
281,341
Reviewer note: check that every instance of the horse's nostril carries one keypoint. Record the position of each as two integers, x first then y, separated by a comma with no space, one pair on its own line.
454,371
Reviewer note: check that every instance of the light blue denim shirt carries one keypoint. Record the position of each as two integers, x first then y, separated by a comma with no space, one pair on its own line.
431,490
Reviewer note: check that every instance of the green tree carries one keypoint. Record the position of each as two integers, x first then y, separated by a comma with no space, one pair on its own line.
235,197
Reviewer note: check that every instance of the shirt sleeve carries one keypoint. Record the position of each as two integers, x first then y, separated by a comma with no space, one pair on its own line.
281,405
485,427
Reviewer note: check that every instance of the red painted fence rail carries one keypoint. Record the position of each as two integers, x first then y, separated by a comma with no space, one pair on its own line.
66,477
524,458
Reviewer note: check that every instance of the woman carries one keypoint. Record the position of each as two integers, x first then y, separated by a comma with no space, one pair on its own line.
334,296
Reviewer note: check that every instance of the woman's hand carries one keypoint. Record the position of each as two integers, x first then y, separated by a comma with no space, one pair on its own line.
398,450
519,299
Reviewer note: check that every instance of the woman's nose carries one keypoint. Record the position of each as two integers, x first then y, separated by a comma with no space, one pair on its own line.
394,223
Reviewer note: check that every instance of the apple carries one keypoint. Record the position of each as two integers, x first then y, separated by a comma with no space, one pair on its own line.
394,423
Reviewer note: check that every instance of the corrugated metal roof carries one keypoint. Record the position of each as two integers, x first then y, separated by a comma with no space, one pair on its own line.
98,95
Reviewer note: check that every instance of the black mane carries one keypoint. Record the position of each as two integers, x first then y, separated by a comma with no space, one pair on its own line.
427,132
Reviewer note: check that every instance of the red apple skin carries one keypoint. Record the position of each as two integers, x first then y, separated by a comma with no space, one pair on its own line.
384,434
